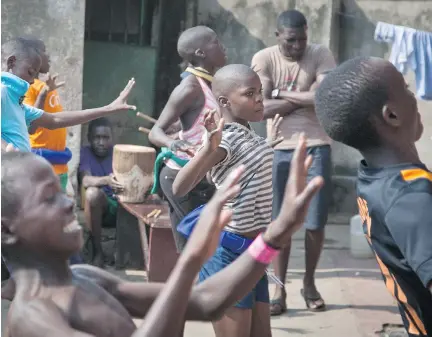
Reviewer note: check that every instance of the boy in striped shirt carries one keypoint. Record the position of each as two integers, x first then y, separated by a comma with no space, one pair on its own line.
238,91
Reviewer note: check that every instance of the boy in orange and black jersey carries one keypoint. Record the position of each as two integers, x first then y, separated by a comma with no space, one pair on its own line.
366,104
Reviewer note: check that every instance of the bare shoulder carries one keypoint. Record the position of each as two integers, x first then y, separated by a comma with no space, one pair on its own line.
95,275
188,85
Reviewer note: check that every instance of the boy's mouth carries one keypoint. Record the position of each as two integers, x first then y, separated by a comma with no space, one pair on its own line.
72,227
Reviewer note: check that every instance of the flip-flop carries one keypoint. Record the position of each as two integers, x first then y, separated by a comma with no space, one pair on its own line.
314,304
278,306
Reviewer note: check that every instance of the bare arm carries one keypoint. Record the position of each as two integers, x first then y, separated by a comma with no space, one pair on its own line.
70,118
196,169
166,316
304,98
179,101
91,181
39,104
272,107
40,100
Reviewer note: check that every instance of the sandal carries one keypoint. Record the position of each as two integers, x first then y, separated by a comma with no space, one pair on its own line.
278,306
314,304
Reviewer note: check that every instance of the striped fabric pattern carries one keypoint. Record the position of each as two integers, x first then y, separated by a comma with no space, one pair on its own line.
252,207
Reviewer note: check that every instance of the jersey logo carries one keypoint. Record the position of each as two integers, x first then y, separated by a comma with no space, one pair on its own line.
364,214
414,174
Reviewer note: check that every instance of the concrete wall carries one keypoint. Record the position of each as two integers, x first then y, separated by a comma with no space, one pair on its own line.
356,39
60,23
246,26
107,68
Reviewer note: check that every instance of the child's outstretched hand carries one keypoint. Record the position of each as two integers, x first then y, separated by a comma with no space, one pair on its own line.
274,138
214,130
298,194
52,83
205,237
120,103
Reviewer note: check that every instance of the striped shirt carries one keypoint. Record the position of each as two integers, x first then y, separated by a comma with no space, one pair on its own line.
252,207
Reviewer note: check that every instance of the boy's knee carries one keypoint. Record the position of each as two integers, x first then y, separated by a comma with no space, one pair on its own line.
94,195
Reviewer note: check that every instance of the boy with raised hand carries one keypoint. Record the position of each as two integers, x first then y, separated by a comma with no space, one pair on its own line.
202,50
365,103
21,64
238,91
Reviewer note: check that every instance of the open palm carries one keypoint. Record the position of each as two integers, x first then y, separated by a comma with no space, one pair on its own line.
120,103
214,130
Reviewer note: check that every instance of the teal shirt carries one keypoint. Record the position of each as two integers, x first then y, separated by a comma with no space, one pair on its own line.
15,116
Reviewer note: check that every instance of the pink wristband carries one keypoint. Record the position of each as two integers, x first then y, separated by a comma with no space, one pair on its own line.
262,252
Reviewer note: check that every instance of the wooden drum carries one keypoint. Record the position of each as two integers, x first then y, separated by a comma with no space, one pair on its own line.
133,168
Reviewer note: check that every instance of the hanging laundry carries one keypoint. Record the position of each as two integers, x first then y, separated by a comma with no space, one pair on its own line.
411,49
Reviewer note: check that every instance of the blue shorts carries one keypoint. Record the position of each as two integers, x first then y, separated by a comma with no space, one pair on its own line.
222,258
321,166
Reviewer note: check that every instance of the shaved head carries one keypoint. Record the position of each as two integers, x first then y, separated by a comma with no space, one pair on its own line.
350,96
229,77
192,39
291,19
12,172
20,49
21,59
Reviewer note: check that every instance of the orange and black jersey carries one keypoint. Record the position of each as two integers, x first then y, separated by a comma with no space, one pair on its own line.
395,204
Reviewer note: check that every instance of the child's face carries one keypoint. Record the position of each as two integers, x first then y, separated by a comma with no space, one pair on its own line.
101,140
46,223
403,103
45,58
246,100
215,52
27,70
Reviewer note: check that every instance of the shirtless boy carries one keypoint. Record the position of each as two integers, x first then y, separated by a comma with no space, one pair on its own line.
201,49
238,90
365,103
39,233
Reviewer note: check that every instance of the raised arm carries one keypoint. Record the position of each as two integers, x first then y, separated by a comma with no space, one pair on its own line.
167,314
272,106
70,118
209,155
182,97
209,300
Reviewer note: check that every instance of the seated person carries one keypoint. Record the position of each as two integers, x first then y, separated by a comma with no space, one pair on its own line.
96,176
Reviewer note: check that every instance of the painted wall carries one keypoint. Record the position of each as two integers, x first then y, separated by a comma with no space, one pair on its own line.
60,23
107,69
246,26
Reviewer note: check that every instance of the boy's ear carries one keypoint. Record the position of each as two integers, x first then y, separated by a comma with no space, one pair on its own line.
390,116
11,61
223,101
8,237
276,33
200,53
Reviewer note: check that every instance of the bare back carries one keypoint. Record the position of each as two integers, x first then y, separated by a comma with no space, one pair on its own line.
193,110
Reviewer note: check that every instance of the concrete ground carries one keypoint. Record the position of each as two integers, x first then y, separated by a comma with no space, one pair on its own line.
357,300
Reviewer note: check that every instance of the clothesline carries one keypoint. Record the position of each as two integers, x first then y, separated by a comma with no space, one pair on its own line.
365,19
